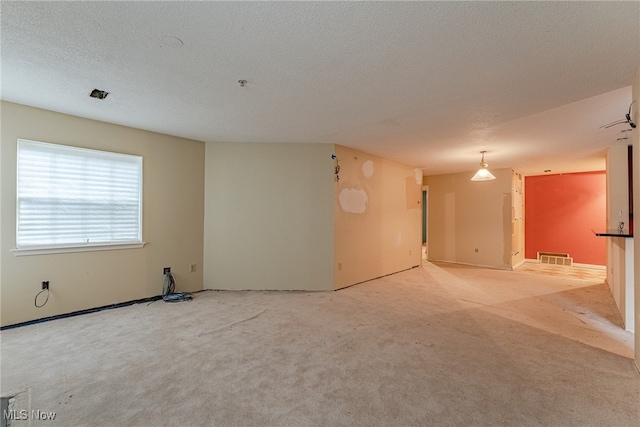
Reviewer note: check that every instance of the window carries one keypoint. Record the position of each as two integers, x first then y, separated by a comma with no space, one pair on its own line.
74,199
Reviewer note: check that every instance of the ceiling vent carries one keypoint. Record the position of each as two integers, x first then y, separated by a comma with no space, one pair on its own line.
98,94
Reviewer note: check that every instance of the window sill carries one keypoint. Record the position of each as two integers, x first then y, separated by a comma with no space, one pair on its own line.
44,250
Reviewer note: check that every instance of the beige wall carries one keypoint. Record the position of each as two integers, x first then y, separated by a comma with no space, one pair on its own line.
465,215
619,249
173,218
377,217
636,203
617,186
268,216
517,220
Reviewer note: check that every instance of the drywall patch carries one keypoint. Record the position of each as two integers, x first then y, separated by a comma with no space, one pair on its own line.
413,195
398,239
367,168
418,174
353,200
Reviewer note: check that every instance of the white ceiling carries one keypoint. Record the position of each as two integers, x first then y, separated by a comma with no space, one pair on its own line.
429,84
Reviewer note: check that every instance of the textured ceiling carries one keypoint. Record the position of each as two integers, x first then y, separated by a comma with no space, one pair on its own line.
429,84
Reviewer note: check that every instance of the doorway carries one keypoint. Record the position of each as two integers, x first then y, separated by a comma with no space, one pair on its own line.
425,210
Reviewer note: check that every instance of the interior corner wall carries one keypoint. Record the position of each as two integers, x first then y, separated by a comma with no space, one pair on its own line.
619,249
173,220
465,216
377,217
517,221
635,137
561,210
268,216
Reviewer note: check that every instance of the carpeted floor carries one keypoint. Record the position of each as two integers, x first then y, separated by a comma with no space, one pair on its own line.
436,345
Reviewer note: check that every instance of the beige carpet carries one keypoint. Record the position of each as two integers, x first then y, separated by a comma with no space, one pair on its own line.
436,345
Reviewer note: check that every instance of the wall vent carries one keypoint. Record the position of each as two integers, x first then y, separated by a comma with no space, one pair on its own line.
555,258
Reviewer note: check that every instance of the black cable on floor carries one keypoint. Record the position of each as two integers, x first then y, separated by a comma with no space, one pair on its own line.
168,290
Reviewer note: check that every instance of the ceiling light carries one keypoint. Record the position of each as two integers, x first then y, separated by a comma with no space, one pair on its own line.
483,173
98,94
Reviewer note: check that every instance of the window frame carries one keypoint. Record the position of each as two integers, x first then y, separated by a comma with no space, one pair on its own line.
40,249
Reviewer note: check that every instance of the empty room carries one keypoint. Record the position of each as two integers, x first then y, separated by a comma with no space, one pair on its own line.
319,213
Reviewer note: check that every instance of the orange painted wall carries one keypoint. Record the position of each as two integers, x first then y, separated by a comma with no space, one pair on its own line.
561,210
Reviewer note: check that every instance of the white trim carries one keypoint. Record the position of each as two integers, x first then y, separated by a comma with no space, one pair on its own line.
48,170
506,267
518,264
594,266
575,264
67,249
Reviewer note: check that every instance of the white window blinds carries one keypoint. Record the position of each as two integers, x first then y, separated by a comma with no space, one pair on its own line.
70,196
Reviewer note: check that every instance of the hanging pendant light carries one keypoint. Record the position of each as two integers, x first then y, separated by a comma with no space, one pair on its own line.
483,173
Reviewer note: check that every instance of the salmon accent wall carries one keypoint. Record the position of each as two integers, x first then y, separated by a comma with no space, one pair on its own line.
561,210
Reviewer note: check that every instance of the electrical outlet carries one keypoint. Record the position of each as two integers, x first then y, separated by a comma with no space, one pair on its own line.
166,270
45,284
339,266
192,268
